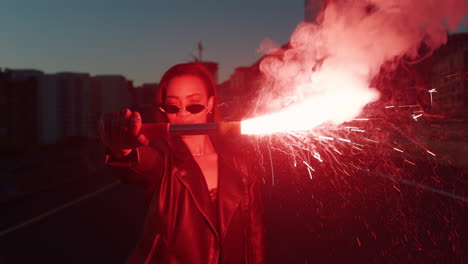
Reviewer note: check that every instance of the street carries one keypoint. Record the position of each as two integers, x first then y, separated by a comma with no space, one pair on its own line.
366,216
101,227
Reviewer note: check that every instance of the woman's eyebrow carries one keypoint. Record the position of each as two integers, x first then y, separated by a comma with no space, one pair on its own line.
193,95
188,96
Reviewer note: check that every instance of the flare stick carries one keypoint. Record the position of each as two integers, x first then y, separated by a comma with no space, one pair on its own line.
152,130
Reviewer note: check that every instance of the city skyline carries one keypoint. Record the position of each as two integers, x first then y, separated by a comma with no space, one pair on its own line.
139,41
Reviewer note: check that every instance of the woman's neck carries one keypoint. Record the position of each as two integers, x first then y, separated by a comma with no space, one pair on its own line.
198,145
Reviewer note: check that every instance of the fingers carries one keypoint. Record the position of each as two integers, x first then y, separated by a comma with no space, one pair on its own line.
135,124
121,129
125,122
127,113
142,140
135,129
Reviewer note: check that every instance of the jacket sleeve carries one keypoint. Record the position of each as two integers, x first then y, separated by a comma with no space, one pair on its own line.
253,202
256,226
142,166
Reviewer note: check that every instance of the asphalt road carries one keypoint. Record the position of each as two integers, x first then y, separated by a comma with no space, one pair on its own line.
93,220
364,218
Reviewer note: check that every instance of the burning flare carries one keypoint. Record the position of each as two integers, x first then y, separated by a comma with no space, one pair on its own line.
324,76
333,105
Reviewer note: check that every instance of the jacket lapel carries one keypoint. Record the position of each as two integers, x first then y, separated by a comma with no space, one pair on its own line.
230,186
190,174
230,190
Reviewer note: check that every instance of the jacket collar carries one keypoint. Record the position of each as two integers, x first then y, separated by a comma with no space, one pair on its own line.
230,187
230,191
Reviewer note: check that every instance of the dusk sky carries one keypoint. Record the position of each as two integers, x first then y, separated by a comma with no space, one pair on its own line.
139,39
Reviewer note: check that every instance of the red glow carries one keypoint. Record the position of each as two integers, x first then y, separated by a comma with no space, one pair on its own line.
341,99
325,76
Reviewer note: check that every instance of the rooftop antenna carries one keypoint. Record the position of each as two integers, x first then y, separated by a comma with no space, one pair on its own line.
200,51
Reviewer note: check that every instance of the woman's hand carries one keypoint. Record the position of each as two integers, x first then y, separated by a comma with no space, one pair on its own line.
120,132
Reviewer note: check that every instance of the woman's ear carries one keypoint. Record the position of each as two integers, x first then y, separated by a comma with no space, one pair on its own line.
210,104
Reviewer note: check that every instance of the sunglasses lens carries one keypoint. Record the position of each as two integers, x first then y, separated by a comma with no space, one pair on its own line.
171,109
195,108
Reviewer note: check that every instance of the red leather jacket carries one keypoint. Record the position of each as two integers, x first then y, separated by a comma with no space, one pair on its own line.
182,224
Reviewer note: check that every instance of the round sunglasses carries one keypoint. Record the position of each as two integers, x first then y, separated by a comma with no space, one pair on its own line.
174,109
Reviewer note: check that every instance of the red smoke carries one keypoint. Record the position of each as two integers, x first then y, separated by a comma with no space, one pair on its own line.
325,76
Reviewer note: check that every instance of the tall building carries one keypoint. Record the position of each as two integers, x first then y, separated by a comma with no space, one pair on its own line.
144,101
212,67
64,106
18,108
312,8
48,110
109,93
38,108
240,91
72,104
115,91
450,77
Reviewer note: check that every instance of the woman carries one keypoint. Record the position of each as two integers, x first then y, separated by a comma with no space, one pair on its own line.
204,202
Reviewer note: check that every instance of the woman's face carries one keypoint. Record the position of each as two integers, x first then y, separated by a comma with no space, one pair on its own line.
184,91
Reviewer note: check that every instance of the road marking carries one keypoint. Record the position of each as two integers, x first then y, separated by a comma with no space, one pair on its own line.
58,209
422,186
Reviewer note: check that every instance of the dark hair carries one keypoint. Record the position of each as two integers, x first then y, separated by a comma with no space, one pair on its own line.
194,69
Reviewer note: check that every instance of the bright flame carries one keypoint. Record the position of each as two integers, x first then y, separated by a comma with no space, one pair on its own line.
324,76
337,103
